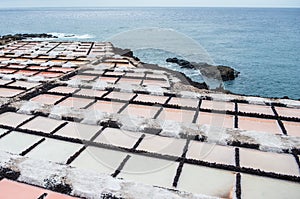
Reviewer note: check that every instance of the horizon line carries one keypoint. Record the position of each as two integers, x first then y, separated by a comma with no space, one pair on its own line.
150,7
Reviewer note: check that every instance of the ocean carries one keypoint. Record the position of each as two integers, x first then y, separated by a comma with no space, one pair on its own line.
263,44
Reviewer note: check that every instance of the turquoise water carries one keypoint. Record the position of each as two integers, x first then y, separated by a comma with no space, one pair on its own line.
263,44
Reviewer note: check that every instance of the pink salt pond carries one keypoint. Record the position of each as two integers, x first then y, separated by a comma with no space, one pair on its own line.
120,95
151,98
7,71
91,92
60,69
178,115
184,102
250,108
259,125
24,84
216,105
215,120
288,112
46,99
141,110
106,106
49,74
293,128
16,190
75,102
7,92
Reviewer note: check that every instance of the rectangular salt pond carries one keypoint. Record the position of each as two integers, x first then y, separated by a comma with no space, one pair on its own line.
17,142
288,112
261,187
217,105
140,110
91,92
162,145
54,150
99,160
129,81
149,170
42,124
156,83
270,162
46,99
117,137
151,98
208,181
120,95
8,92
106,106
178,115
184,102
211,153
24,84
259,125
13,119
78,131
63,89
76,102
216,120
259,109
293,128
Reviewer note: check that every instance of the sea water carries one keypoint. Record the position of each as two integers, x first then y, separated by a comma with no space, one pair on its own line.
263,44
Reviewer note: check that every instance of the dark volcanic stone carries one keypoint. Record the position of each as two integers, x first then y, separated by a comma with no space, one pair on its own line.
224,73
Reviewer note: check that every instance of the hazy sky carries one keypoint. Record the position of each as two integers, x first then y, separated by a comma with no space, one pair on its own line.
111,3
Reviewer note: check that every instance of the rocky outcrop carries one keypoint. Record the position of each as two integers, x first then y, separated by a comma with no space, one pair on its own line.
225,73
9,38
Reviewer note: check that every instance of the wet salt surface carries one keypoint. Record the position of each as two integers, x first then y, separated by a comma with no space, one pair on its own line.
118,137
288,112
216,105
216,120
13,119
249,108
260,188
293,128
209,181
46,99
7,92
259,125
184,102
178,115
54,150
149,170
99,160
162,145
16,142
79,131
211,153
42,124
269,162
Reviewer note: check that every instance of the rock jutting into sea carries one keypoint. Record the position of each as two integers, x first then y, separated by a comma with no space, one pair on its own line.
226,73
17,37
